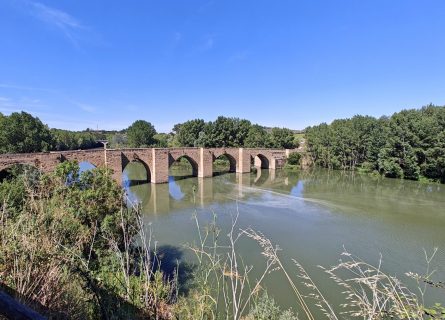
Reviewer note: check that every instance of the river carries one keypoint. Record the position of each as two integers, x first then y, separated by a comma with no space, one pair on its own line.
311,215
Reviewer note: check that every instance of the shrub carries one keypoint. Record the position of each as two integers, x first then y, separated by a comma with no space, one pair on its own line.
69,244
294,158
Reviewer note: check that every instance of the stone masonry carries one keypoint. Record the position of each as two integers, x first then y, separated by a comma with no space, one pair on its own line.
157,161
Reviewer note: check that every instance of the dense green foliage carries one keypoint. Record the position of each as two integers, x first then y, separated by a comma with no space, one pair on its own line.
232,132
162,140
21,132
257,137
267,309
72,140
410,144
188,132
227,132
282,138
67,243
294,158
141,134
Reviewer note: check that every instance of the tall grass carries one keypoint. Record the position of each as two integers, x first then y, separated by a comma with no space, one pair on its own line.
229,291
72,248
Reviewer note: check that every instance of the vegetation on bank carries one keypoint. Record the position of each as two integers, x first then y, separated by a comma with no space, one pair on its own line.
68,247
23,133
410,144
71,247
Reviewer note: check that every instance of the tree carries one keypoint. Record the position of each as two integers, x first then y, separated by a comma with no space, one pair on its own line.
222,133
282,138
228,132
294,158
257,137
72,140
242,128
162,140
117,140
21,132
188,132
409,144
141,134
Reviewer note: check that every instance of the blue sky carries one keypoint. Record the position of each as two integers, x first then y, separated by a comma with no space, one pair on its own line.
106,63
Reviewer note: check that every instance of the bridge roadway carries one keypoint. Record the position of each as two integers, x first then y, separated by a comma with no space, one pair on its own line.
157,161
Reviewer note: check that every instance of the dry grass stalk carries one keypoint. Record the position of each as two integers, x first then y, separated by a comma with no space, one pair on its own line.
373,294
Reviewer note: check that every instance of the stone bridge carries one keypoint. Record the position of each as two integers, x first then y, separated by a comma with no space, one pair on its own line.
157,161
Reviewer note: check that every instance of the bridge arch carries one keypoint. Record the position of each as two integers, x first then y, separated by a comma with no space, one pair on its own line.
32,167
190,160
136,172
260,160
93,157
232,163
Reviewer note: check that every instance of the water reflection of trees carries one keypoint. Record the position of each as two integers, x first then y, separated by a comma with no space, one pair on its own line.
328,181
372,194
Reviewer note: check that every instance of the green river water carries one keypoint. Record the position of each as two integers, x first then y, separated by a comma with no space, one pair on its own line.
311,215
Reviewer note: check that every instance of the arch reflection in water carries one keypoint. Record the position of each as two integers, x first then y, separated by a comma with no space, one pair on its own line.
297,190
268,176
181,193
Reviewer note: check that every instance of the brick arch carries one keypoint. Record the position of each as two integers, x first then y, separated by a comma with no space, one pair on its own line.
4,168
262,160
194,162
146,166
29,162
232,160
96,159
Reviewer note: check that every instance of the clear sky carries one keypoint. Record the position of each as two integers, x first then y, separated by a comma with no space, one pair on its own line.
292,63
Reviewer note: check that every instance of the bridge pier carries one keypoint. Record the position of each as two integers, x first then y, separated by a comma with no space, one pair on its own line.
116,163
159,166
159,198
243,164
205,191
205,166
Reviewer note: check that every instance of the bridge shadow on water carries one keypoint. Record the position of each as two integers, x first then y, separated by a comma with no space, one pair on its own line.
132,183
170,260
177,178
220,173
